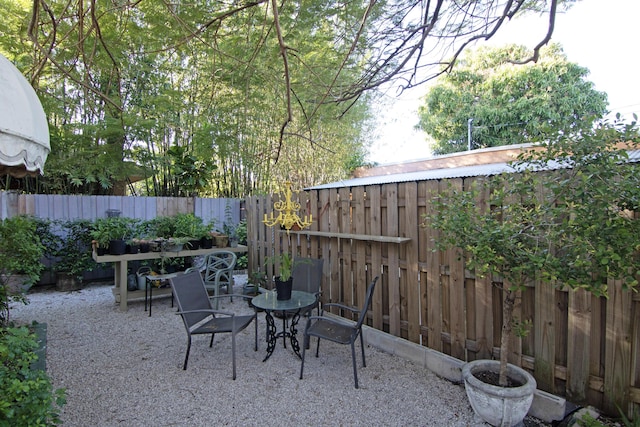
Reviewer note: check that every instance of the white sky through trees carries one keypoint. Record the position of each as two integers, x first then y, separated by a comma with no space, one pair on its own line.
601,36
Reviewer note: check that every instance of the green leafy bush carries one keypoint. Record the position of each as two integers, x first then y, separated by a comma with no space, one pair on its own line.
28,397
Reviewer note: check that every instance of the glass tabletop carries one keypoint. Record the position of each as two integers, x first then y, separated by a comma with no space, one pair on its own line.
269,301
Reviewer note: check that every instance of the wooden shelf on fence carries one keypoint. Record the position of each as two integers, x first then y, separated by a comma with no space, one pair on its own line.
366,237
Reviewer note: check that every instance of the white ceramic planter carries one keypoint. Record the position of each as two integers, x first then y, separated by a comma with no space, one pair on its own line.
498,406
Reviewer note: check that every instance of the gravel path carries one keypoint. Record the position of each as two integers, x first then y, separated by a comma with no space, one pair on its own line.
125,369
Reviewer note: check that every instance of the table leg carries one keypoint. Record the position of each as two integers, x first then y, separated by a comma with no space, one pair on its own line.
271,335
293,331
120,281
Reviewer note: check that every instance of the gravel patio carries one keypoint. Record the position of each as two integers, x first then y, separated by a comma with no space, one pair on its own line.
125,369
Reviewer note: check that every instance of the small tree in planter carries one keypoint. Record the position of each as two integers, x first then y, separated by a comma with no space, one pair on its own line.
571,226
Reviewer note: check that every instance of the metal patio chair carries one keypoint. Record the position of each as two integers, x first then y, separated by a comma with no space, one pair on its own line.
199,316
219,272
340,331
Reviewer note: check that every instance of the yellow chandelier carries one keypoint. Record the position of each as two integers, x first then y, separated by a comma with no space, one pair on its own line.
287,212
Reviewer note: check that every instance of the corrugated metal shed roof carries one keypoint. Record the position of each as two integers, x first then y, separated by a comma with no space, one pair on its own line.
461,172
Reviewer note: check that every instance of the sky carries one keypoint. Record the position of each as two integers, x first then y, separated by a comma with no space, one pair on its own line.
601,36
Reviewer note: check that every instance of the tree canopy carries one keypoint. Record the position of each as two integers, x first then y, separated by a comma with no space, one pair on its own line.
253,92
509,103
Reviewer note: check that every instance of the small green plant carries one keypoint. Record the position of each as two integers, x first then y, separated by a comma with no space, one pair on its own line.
20,258
74,252
28,397
113,228
285,263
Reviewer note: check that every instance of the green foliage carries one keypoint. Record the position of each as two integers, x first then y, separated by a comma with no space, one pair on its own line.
284,263
180,225
510,103
569,226
187,115
20,255
27,398
20,248
74,251
113,228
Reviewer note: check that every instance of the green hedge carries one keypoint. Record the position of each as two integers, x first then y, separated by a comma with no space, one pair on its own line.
27,397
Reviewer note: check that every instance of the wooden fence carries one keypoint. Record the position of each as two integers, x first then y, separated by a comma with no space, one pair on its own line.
579,346
69,207
92,207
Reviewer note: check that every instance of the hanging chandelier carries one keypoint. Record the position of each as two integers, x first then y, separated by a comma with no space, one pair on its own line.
287,212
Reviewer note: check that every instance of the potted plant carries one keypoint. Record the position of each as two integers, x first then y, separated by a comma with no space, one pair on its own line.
516,237
73,255
284,281
112,232
21,253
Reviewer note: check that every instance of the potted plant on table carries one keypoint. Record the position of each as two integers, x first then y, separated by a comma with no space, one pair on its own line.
112,233
283,281
543,226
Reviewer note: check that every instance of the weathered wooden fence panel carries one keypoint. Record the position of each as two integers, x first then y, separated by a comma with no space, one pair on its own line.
71,207
579,346
56,207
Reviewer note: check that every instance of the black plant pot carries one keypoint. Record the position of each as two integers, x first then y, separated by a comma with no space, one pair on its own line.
206,243
192,245
132,249
144,248
283,289
117,247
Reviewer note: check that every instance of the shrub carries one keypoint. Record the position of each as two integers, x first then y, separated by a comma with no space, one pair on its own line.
27,397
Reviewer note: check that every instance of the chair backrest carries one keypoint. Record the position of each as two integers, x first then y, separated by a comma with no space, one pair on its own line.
307,274
190,294
367,301
223,261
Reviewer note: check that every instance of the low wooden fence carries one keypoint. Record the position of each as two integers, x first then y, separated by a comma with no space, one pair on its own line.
579,346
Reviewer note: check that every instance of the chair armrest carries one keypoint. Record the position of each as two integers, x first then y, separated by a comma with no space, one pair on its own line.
341,306
336,321
226,313
227,296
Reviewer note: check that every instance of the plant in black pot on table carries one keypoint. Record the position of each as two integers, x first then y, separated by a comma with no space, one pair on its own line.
541,227
113,232
283,264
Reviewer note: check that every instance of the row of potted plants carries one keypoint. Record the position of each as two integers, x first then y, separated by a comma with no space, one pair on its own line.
119,235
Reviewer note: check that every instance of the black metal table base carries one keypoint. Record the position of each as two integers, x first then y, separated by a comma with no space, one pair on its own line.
291,332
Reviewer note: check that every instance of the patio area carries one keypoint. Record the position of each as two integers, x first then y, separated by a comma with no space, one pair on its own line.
125,368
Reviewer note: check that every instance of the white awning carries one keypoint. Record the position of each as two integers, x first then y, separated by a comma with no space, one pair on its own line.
24,132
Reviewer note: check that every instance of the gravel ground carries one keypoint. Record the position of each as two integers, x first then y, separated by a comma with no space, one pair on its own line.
125,369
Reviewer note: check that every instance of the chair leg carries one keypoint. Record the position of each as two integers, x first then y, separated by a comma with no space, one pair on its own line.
255,320
364,363
211,342
186,357
233,352
304,350
353,360
317,347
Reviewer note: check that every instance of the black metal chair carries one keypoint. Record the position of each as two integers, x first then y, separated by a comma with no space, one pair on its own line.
307,276
339,330
199,317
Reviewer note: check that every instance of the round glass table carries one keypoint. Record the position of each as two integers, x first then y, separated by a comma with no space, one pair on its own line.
269,302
